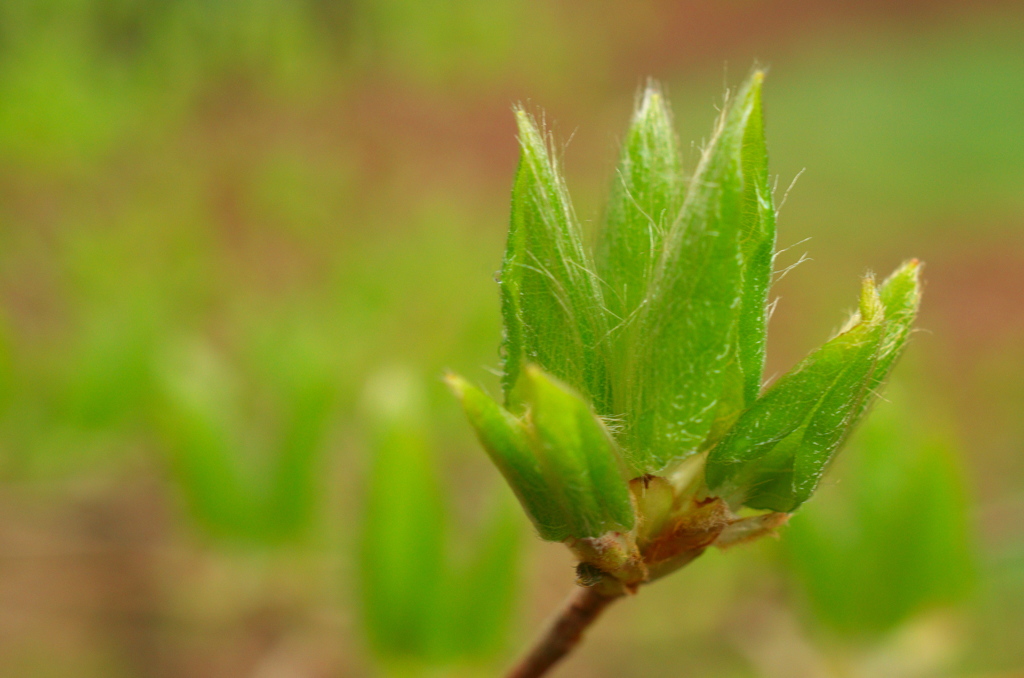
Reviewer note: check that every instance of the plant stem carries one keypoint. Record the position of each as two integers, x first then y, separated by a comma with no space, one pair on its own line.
565,632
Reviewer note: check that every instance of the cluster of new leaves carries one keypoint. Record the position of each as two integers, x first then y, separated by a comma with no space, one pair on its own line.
627,362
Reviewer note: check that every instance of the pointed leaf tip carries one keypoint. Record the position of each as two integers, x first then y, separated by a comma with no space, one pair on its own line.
758,251
646,195
529,133
652,104
903,287
505,439
870,307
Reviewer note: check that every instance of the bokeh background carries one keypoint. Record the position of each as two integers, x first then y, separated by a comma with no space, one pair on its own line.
240,241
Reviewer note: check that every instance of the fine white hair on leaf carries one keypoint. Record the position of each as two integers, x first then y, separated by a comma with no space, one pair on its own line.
779,275
785,195
788,248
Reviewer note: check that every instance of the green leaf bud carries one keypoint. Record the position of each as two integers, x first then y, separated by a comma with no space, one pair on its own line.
646,196
577,456
689,319
551,302
507,443
775,455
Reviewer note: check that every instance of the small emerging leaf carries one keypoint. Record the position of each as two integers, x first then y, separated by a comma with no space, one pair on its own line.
743,373
402,556
694,302
426,603
560,459
646,197
758,248
551,303
775,455
901,296
485,590
200,424
506,441
238,489
309,395
578,458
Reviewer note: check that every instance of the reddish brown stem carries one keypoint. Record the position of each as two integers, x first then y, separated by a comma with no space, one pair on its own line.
585,606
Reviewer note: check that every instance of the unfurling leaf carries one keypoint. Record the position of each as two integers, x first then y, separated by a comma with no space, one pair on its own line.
894,539
426,603
578,457
758,249
559,458
689,321
646,196
634,425
505,439
551,302
778,450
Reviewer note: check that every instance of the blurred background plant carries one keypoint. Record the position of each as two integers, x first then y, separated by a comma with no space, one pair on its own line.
219,219
425,603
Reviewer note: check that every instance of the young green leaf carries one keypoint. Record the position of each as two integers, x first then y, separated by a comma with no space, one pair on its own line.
235,486
551,302
758,248
898,298
775,455
901,296
758,457
296,472
578,458
693,304
645,199
745,365
425,603
505,439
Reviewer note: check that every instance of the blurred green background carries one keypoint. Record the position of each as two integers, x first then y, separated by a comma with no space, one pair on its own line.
241,241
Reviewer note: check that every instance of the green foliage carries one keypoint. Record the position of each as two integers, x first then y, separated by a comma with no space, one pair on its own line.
893,539
645,200
421,605
560,459
163,111
402,559
679,273
664,337
578,456
757,246
688,327
775,455
550,298
506,441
